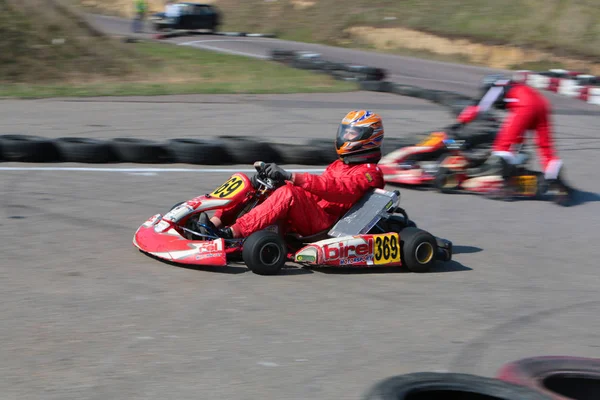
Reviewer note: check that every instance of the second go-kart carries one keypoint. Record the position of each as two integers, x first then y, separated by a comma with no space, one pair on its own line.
375,232
417,165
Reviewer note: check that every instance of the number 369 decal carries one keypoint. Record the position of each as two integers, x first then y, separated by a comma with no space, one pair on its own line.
387,248
233,186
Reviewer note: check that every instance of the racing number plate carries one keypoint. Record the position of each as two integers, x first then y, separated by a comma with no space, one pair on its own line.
433,140
230,188
527,184
387,249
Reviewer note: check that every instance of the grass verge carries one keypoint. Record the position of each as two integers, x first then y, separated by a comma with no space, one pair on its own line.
166,69
48,52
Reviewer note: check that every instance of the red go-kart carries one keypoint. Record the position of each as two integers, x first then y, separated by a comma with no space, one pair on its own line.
374,232
417,165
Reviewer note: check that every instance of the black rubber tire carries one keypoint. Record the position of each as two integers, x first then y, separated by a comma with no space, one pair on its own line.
441,184
376,86
299,154
85,150
246,150
198,151
411,240
363,73
406,90
559,377
325,148
445,386
255,244
141,151
27,148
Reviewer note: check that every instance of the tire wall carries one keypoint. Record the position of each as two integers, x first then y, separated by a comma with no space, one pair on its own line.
229,150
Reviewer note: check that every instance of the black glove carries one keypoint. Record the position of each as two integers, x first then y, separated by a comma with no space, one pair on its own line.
277,173
254,181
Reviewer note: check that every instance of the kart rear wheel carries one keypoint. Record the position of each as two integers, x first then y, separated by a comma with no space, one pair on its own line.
264,253
418,249
446,180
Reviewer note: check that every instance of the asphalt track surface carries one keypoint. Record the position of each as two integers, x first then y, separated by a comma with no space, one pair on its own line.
87,316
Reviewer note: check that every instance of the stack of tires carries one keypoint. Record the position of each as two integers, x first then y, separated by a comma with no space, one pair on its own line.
222,150
314,62
535,378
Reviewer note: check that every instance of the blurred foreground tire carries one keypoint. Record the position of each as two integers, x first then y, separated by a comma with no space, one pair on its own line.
26,148
85,150
443,386
141,151
561,378
198,151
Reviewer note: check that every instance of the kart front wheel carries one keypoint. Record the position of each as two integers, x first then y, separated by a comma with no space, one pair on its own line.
418,249
446,180
264,253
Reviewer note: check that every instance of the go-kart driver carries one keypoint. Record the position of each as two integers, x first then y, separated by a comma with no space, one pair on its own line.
307,203
527,110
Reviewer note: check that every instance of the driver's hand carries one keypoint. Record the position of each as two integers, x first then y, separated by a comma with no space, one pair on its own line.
277,173
254,181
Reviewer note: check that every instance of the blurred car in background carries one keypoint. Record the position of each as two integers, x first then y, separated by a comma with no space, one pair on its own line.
191,16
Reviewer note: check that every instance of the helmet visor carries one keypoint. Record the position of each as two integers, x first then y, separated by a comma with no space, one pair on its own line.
349,133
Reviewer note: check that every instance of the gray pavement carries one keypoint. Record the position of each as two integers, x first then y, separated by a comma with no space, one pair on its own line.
86,316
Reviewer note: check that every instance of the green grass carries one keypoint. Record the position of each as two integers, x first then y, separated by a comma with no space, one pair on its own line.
89,64
172,69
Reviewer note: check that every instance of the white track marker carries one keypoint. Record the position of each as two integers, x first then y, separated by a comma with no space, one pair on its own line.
143,170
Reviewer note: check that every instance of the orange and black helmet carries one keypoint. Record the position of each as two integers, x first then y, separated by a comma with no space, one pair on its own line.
359,137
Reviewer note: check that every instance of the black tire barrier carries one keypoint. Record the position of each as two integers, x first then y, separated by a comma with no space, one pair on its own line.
140,151
300,154
324,147
84,150
27,148
198,151
439,386
246,150
559,377
313,61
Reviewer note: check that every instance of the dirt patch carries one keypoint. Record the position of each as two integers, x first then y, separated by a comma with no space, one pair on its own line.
302,4
494,56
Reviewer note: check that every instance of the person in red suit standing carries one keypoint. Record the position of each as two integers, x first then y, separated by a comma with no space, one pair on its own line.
528,110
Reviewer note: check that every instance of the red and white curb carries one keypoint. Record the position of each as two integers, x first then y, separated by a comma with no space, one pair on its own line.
567,83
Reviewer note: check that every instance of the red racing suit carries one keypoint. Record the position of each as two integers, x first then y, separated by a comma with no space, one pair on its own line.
312,203
527,110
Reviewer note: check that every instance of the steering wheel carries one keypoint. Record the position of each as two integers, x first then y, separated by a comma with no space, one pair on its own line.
262,177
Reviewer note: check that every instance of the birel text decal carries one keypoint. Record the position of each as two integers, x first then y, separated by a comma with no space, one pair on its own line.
348,249
212,246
